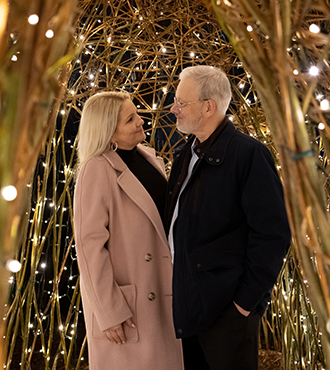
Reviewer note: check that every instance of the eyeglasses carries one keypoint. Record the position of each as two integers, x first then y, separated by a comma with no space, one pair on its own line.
182,105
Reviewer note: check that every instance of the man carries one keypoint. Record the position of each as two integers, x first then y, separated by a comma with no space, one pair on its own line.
227,225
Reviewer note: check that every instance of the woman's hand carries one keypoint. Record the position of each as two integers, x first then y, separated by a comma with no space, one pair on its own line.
116,333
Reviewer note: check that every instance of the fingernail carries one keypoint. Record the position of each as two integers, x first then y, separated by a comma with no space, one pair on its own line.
133,325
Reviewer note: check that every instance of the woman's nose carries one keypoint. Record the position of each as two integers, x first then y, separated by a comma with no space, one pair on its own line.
140,122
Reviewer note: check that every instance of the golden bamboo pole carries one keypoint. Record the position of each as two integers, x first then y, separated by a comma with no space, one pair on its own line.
287,91
33,41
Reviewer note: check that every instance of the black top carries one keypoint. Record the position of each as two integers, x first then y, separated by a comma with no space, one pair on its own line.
149,177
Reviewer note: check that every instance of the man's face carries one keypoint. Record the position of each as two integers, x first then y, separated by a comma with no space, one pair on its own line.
189,117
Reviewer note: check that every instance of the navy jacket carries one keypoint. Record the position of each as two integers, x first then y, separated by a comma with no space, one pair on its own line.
231,233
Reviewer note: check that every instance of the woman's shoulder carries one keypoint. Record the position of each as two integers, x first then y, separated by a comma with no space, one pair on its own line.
96,167
143,147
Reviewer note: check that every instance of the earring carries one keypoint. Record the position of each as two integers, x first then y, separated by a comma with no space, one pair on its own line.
114,146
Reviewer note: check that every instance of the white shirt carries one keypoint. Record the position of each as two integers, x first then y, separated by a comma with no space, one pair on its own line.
193,160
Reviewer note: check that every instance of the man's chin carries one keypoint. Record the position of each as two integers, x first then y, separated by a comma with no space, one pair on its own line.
182,129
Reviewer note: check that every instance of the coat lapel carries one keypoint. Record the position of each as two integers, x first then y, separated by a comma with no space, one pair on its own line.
135,190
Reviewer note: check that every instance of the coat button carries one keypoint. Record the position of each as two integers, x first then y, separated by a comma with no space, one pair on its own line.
151,296
210,159
199,265
148,257
179,331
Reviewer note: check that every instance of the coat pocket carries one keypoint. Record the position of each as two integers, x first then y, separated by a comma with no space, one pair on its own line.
132,335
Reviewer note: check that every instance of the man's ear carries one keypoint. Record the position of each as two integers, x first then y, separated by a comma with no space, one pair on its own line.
211,107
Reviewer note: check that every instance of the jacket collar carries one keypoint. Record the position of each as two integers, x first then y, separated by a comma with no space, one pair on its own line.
134,189
148,153
215,154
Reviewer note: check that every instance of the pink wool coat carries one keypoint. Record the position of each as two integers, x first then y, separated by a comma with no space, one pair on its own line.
125,267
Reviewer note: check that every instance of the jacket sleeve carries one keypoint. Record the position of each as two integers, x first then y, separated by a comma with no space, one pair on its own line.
269,234
91,223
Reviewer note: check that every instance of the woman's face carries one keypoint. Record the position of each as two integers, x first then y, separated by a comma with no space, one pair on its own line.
129,131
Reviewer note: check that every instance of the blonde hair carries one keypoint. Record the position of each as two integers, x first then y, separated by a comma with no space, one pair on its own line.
213,84
98,123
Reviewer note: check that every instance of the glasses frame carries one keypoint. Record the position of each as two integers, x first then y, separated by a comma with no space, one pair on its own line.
182,105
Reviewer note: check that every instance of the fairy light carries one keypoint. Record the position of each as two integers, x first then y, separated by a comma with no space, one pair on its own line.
14,58
50,34
313,71
324,104
321,126
164,50
9,193
296,72
314,28
13,265
192,54
33,19
249,28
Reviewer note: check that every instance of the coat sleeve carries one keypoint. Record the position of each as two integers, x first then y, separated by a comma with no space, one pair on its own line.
91,223
269,234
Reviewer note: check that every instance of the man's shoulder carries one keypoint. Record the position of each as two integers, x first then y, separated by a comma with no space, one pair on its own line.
244,143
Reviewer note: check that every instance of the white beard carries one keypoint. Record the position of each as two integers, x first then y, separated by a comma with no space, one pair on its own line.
189,128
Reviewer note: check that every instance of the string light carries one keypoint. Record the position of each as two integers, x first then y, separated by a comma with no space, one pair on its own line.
295,72
9,193
249,28
14,58
13,265
321,126
324,104
50,34
313,71
33,19
314,28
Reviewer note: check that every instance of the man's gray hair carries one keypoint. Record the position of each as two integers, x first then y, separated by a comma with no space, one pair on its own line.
213,84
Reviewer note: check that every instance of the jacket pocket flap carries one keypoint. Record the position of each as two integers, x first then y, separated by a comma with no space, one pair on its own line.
129,292
208,260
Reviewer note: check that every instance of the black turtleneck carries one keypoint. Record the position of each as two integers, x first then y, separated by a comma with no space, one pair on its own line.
146,173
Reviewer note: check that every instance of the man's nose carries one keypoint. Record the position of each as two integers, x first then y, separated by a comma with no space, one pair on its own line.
174,109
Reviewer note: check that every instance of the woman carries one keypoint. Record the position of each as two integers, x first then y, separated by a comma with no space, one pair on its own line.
123,255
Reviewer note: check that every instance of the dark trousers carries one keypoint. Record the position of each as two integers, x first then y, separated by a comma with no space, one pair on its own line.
231,343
